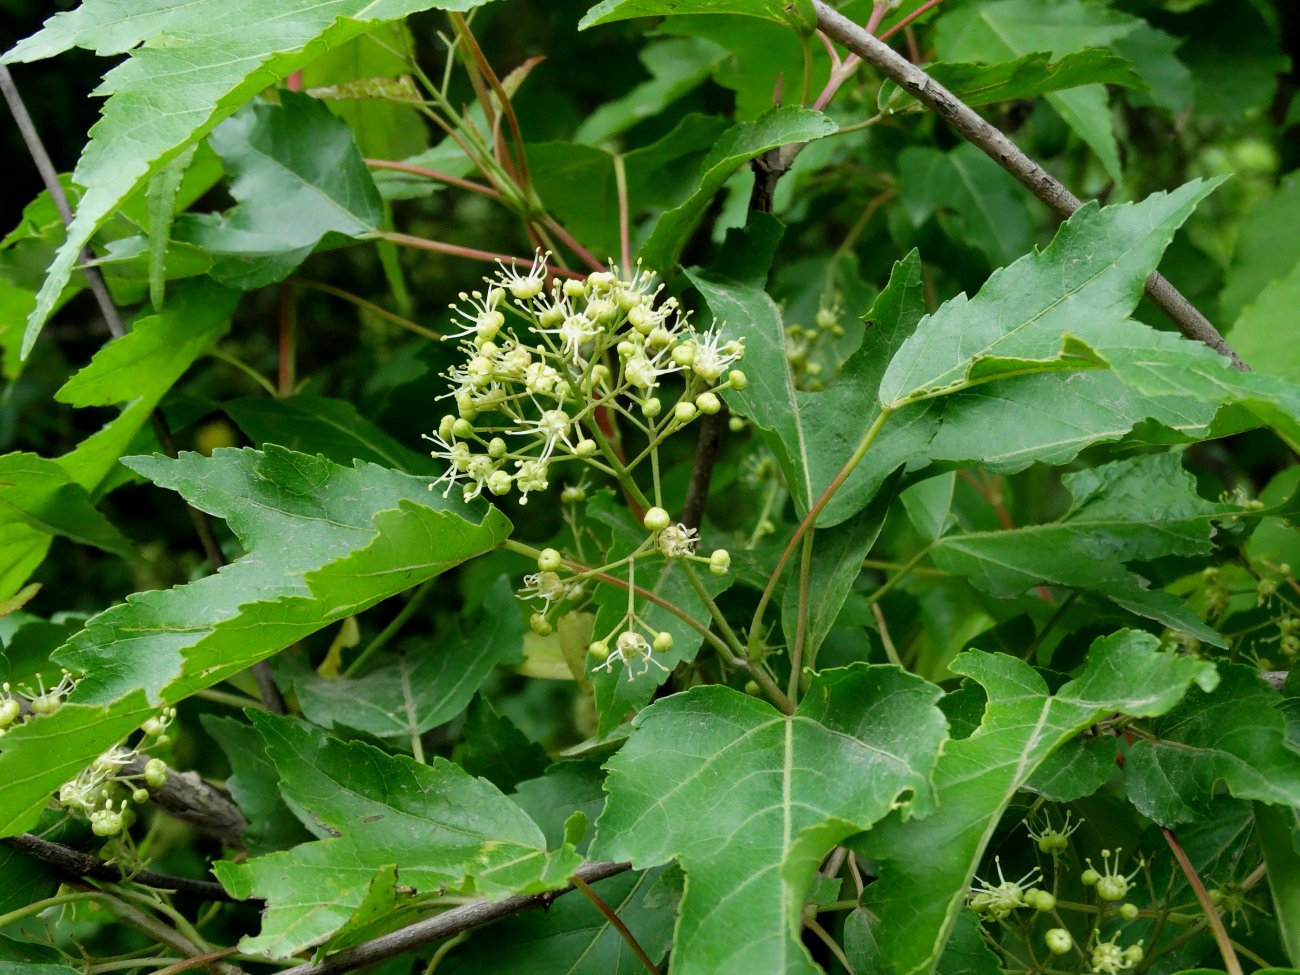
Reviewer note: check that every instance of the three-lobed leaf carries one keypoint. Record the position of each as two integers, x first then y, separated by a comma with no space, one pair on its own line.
927,865
750,800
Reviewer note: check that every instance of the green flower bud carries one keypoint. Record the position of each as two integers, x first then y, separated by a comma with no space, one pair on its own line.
598,650
498,483
540,625
155,773
463,428
549,560
656,520
684,412
585,448
652,407
1058,941
497,448
708,403
1128,911
737,380
663,641
720,562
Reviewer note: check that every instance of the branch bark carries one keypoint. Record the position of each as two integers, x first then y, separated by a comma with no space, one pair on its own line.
74,863
445,925
998,147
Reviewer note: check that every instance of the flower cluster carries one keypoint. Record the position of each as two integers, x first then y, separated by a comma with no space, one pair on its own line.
539,364
93,790
38,702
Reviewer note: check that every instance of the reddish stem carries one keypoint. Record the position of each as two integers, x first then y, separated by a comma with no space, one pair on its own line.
928,5
473,254
435,175
288,341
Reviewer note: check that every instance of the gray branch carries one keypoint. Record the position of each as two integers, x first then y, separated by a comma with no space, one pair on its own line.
445,925
187,797
1008,155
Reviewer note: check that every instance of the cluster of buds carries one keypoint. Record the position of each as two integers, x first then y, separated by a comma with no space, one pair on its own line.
39,701
95,789
1108,958
803,342
539,364
993,902
1053,841
1111,884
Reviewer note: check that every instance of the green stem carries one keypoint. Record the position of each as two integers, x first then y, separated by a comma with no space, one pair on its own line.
898,576
37,906
850,465
388,632
225,697
801,617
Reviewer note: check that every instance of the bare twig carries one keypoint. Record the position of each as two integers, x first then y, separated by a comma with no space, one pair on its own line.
446,924
1008,155
113,319
77,864
1230,961
187,797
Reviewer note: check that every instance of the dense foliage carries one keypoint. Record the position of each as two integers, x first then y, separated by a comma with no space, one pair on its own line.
794,550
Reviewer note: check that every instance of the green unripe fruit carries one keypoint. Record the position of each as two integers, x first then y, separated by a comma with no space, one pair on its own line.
1058,941
573,494
656,520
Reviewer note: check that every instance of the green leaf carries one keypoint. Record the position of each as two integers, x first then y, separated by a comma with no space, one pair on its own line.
1234,734
1133,510
737,146
420,691
1277,839
571,937
160,195
324,542
136,371
25,968
1084,284
927,865
741,795
1268,248
297,175
443,827
31,957
39,493
253,786
977,201
676,65
189,67
797,14
495,749
1025,77
1013,28
1262,335
333,428
15,305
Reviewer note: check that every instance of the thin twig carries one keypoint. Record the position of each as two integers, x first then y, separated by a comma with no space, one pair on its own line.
113,319
1230,961
369,306
1009,156
78,864
446,924
612,917
435,176
474,254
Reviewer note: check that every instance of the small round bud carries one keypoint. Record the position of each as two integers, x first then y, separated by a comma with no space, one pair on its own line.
551,316
1134,954
684,412
813,368
1089,877
737,380
153,727
498,483
736,424
752,689
140,795
625,349
656,520
652,407
444,426
1058,941
598,650
1215,895
155,773
684,354
46,703
708,403
573,494
497,448
574,289
540,625
9,711
720,562
641,318
659,337
663,641
549,560
463,428
600,280
1040,900
584,448
1128,911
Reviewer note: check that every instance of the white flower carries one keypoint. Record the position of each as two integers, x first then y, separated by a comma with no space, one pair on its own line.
574,332
712,355
552,426
633,651
531,477
525,287
546,586
677,541
483,318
